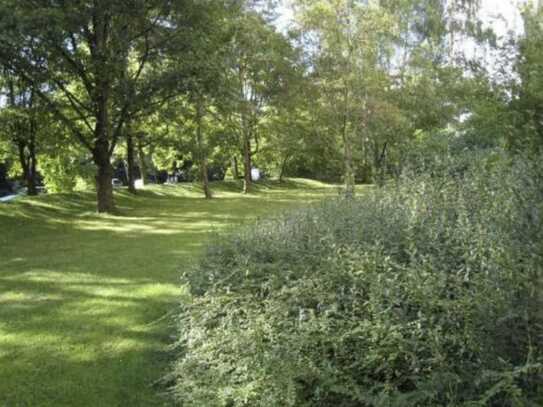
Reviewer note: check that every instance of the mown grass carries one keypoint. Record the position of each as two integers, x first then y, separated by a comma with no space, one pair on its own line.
86,299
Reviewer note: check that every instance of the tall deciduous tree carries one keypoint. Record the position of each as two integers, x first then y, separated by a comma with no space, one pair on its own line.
350,39
21,119
95,55
258,62
528,102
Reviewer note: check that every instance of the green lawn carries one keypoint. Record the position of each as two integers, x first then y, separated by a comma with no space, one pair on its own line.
86,300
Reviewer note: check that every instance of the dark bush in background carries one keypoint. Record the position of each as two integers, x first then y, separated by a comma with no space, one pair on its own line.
425,293
5,185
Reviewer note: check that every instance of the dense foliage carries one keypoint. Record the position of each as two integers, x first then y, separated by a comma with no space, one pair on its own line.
192,89
427,292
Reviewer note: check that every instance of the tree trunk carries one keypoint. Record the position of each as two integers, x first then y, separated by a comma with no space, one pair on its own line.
381,165
27,145
348,161
235,170
28,164
282,170
141,161
104,189
32,164
248,180
201,152
205,179
349,173
21,147
101,149
31,180
104,175
130,159
347,149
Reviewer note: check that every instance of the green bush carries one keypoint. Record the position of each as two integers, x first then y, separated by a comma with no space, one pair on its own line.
66,173
425,293
57,175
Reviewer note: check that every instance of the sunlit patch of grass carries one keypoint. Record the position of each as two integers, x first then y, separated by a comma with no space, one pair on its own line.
85,299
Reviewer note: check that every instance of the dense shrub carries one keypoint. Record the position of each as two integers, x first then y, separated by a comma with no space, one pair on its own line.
66,173
425,293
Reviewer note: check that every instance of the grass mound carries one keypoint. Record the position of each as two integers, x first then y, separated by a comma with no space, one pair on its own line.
427,293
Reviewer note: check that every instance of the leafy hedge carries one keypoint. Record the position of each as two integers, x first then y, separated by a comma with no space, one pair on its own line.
424,293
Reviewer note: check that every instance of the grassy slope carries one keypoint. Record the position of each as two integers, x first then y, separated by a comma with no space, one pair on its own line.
84,298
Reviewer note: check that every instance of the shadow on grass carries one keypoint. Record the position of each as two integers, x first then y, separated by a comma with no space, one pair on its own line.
86,299
74,343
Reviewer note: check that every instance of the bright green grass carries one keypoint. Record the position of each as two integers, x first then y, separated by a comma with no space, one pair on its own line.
86,300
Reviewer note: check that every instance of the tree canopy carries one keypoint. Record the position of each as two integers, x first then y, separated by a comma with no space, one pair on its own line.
197,88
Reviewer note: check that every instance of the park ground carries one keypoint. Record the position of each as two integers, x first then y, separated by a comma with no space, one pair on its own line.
87,301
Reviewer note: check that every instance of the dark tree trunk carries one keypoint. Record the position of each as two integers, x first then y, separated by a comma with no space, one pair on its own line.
205,179
202,153
130,159
235,170
31,186
247,164
31,180
349,172
348,162
141,161
380,163
27,159
104,189
32,164
383,165
101,150
25,139
282,170
104,176
22,158
348,152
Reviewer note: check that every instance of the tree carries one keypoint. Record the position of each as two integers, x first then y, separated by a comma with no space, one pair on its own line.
20,125
93,54
385,69
206,64
527,103
258,62
288,122
351,37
